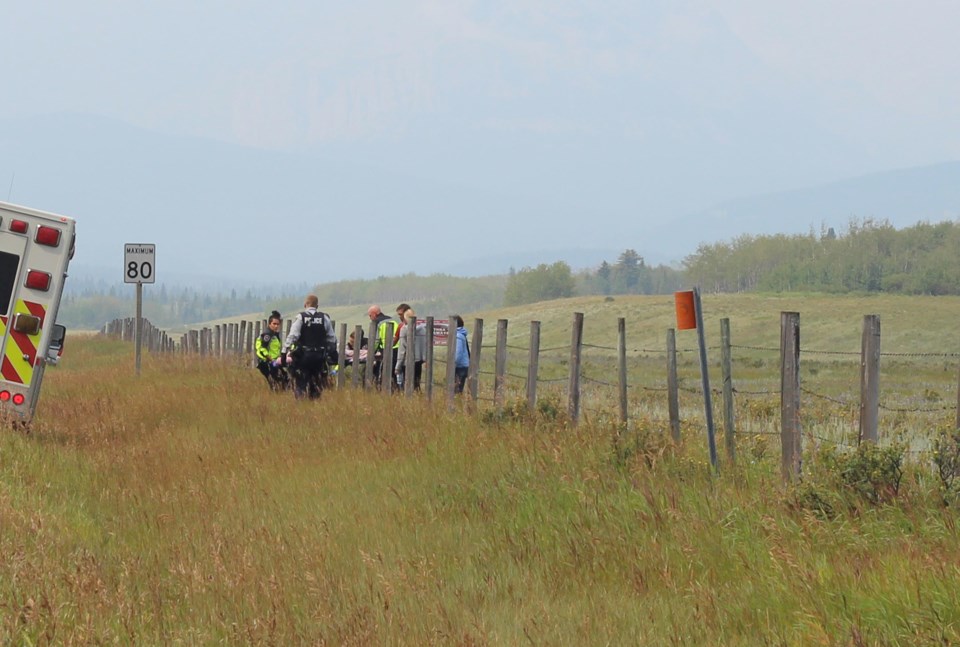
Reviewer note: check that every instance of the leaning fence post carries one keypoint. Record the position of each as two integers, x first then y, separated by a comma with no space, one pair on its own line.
790,395
622,366
533,367
576,348
705,379
870,379
500,369
726,368
673,398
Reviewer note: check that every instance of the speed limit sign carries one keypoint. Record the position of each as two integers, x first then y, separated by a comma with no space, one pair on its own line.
139,263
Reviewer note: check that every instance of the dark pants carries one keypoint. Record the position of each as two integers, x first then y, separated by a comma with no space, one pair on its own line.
276,376
417,374
460,377
378,369
310,374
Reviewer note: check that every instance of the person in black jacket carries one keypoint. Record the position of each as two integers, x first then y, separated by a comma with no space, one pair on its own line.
312,347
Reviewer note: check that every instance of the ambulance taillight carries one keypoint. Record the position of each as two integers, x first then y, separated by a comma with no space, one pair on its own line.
49,236
19,226
37,280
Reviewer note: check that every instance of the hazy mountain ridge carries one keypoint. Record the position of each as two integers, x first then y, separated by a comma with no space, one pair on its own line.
234,217
904,197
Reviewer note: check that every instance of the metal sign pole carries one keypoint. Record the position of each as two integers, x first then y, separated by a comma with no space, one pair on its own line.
707,402
139,266
139,325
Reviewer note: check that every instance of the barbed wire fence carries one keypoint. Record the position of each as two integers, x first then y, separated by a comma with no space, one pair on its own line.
625,385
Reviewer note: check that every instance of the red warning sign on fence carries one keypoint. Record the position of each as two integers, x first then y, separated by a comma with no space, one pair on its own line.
686,312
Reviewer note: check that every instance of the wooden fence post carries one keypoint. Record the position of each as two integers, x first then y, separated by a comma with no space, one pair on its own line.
533,366
870,379
500,368
409,362
428,360
386,367
673,385
473,375
342,357
726,369
576,348
790,395
622,366
449,384
371,356
958,399
357,366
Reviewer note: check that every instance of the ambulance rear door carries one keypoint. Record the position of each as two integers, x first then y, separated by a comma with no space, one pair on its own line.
16,366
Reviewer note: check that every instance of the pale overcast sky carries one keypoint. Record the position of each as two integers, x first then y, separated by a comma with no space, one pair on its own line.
686,102
295,74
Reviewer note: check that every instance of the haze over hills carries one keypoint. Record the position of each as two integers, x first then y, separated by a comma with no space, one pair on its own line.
903,196
231,214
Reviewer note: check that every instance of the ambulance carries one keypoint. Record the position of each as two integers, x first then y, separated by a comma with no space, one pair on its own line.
35,250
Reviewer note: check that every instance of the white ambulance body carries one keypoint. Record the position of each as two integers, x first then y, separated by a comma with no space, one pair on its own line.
35,249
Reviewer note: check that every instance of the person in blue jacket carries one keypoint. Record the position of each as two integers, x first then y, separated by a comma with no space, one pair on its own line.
462,357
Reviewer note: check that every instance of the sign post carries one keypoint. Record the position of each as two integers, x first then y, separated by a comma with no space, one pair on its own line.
689,316
139,266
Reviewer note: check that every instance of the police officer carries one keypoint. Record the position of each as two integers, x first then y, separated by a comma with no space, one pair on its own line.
386,334
267,347
311,344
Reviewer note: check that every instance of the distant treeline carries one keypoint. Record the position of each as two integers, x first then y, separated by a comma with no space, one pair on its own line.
869,256
629,274
89,306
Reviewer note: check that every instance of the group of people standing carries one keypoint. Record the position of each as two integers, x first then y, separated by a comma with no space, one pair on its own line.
305,357
308,355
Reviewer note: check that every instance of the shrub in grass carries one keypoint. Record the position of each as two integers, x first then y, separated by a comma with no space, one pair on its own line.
549,410
868,474
641,443
946,458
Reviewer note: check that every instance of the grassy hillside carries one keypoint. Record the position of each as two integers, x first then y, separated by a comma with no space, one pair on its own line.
921,324
919,352
193,506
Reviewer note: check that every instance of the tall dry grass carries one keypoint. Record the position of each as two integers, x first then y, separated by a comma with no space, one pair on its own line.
192,506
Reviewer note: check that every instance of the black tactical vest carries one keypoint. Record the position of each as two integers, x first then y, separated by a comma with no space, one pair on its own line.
313,334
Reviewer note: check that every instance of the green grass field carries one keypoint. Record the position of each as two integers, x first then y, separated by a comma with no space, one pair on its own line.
191,506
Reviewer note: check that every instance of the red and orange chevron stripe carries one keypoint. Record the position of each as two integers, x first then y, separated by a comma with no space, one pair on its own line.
20,352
